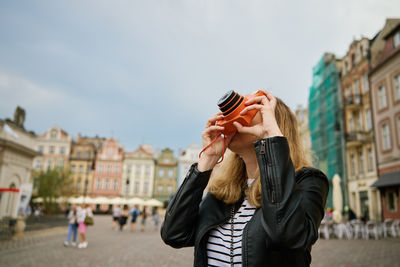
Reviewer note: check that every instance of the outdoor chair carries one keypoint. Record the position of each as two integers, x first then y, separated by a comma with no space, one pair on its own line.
358,228
386,225
372,228
324,229
343,230
395,228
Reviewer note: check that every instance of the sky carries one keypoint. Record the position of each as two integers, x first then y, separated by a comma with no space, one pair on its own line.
151,72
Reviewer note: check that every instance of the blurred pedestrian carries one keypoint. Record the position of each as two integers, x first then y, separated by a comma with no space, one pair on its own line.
156,218
124,217
116,213
135,212
144,217
83,212
72,226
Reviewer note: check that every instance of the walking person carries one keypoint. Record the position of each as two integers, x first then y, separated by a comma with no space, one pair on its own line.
116,213
156,218
264,204
124,217
144,218
83,212
135,212
72,226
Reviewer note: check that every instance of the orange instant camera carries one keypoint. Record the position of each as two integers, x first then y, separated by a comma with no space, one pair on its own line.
231,104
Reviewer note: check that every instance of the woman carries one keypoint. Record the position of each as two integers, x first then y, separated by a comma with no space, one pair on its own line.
72,227
82,213
135,212
263,206
124,217
144,218
156,218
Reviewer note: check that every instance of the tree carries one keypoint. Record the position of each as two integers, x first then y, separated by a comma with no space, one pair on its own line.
53,184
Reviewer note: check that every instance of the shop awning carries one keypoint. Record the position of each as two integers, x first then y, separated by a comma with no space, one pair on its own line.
10,190
388,179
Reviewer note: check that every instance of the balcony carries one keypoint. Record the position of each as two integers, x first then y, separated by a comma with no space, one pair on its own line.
353,102
356,139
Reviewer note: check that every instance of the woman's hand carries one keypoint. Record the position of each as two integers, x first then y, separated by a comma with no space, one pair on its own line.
268,127
213,153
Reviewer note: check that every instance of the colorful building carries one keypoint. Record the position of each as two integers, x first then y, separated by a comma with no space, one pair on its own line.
54,147
385,94
186,159
138,173
165,176
108,170
325,117
364,200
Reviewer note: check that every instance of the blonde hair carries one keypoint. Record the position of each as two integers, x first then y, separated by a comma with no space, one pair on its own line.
230,178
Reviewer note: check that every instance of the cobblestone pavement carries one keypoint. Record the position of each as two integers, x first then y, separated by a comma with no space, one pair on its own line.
112,248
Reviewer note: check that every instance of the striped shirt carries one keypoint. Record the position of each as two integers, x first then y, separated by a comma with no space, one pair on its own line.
220,238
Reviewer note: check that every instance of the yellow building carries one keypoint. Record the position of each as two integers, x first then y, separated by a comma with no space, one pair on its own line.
165,175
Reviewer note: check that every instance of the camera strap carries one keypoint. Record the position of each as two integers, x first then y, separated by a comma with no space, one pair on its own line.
210,144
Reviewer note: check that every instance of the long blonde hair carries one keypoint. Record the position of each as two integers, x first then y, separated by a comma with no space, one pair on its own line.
229,179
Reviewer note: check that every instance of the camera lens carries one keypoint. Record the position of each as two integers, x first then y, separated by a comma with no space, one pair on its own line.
229,102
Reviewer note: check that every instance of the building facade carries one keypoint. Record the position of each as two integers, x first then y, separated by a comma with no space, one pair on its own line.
304,131
325,120
17,150
107,176
364,200
82,162
186,159
165,176
138,173
54,147
385,95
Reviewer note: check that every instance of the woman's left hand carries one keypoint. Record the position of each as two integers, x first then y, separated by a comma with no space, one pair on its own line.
268,127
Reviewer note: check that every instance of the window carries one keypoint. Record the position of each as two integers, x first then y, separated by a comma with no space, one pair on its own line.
78,155
53,134
138,169
166,160
160,188
62,150
356,86
353,164
87,155
115,185
351,124
108,168
147,170
146,188
80,168
170,173
382,97
78,185
98,184
128,168
396,39
391,200
52,149
137,186
49,164
368,119
169,189
38,163
361,161
370,159
397,87
365,83
386,142
116,169
40,149
161,173
88,169
109,152
107,184
348,92
100,168
73,168
60,163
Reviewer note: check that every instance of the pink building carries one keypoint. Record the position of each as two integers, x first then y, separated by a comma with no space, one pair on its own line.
108,170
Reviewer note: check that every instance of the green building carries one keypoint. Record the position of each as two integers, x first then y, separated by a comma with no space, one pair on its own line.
325,120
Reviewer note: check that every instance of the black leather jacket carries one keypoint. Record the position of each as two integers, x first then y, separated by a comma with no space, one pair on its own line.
280,233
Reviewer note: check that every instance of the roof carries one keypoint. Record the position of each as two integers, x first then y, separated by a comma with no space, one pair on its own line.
388,179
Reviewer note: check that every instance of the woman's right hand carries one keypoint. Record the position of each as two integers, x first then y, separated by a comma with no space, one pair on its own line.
213,153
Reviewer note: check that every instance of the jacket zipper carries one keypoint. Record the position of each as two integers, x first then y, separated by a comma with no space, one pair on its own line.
262,153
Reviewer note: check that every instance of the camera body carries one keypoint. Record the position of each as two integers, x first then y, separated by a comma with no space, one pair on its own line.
231,104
